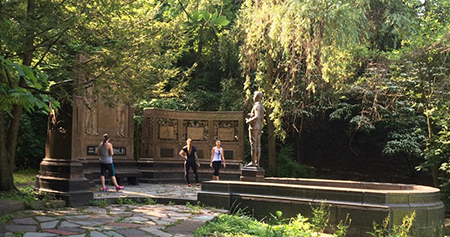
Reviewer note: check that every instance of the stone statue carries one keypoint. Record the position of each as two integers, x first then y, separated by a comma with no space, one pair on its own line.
255,121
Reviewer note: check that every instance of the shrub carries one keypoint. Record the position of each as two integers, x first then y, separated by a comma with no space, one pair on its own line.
286,167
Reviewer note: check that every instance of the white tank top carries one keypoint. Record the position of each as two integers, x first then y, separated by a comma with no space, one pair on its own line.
217,154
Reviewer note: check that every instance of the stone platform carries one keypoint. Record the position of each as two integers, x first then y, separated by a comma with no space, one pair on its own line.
170,216
365,202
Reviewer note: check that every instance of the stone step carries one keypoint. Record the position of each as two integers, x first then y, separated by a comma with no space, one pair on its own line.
10,206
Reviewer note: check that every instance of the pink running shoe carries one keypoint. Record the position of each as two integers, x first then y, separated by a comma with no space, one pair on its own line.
105,189
118,188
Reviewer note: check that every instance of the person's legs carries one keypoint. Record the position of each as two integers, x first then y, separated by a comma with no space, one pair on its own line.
186,172
216,166
194,168
112,172
102,176
102,181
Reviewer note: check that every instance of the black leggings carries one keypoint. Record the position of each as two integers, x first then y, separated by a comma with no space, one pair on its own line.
187,166
107,167
216,166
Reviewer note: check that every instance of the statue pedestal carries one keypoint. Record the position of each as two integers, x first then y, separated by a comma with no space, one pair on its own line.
252,174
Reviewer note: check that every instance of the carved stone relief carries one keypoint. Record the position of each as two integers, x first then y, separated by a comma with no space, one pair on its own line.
196,129
168,129
226,130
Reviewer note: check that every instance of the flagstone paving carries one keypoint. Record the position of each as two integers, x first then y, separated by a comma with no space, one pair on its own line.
103,219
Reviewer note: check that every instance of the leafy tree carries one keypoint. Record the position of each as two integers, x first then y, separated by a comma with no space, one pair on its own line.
421,68
129,49
20,88
297,53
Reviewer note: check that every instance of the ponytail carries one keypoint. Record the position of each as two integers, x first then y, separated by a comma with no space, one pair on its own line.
105,137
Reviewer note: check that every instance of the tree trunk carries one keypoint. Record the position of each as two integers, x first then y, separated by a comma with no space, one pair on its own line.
6,175
9,142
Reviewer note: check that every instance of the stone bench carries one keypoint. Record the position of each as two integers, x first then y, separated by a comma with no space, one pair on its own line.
131,177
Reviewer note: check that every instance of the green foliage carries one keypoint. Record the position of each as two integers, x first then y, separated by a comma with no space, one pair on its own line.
403,230
31,96
277,218
150,201
26,193
232,225
31,141
240,224
98,203
321,217
6,218
341,229
405,141
195,209
298,53
122,201
287,167
25,177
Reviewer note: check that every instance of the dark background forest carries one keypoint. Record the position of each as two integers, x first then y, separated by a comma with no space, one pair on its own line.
354,90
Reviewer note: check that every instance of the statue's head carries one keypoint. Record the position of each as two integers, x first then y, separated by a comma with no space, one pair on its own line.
257,96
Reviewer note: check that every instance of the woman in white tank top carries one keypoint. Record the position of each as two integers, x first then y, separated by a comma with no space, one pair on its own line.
217,159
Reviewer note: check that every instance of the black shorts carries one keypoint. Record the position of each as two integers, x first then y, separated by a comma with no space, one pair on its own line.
107,167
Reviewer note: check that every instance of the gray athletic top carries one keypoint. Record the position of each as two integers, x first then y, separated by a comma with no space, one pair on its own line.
105,157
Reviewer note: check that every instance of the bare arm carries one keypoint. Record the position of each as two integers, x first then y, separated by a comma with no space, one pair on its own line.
111,150
223,159
196,158
181,153
212,154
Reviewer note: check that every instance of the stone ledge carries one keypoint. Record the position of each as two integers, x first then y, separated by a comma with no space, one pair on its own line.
10,206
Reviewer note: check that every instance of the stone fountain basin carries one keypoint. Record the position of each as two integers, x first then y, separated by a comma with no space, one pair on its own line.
365,202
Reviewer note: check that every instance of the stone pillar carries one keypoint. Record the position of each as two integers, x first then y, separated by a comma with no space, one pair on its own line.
60,172
252,174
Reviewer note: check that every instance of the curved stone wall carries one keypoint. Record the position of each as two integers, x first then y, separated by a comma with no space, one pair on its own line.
365,202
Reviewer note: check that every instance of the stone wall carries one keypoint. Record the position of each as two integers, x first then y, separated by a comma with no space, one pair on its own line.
164,134
365,202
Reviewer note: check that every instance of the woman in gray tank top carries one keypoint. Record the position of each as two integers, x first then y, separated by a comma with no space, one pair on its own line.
106,151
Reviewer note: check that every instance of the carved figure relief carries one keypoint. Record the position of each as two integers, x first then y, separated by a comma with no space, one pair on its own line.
90,102
121,119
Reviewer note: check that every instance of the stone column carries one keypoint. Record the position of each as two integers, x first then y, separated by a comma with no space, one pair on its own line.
60,172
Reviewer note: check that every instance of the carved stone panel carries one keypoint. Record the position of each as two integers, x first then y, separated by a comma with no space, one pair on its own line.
196,129
166,132
226,134
195,133
168,129
226,130
171,128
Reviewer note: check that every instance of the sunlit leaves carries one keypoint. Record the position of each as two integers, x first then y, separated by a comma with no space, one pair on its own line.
32,97
298,51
